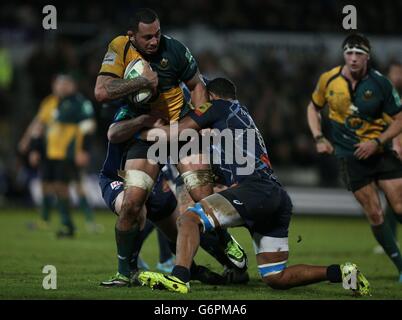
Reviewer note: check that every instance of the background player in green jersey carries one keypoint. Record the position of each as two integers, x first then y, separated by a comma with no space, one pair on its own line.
360,99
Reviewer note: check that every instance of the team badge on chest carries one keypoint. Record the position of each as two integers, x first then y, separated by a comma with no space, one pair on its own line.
164,63
368,94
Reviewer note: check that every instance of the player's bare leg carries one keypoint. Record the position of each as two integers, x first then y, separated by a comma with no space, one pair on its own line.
293,276
273,270
139,177
137,189
188,239
370,201
199,182
393,191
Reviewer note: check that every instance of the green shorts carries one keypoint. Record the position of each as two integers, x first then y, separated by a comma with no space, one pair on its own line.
358,173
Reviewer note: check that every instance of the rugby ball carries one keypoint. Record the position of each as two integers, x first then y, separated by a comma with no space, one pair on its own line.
133,70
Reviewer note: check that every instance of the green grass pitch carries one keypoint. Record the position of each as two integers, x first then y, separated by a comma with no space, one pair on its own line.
88,259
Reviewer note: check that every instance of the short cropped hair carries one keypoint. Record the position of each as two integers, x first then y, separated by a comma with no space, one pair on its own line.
144,15
223,88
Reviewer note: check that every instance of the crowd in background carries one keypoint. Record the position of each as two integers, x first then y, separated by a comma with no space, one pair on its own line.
381,17
275,91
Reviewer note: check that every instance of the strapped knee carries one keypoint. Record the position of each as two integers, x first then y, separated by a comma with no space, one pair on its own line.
136,178
197,178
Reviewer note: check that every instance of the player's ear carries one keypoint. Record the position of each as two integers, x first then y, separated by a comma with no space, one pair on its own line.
130,34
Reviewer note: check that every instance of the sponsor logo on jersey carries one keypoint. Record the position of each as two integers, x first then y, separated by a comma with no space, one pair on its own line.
200,110
110,58
116,184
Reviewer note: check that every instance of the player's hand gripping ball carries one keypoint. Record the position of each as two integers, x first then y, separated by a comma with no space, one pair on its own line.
134,70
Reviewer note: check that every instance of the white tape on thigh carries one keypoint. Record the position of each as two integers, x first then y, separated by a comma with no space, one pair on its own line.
269,244
224,212
136,178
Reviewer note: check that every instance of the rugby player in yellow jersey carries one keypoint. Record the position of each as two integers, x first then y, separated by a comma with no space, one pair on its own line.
64,119
360,99
32,145
172,64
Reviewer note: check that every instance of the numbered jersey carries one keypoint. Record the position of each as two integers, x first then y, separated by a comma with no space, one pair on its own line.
173,63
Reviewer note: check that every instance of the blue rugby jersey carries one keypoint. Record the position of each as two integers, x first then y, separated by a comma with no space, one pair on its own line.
116,152
231,115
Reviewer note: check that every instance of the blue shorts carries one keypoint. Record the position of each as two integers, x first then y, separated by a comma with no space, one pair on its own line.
160,203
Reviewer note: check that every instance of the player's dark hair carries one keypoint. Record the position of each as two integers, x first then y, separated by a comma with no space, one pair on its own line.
223,88
356,40
144,15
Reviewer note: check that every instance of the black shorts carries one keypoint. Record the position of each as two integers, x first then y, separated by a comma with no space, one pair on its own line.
58,171
358,173
139,150
263,204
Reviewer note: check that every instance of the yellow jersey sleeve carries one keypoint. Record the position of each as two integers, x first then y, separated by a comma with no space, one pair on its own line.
113,63
47,108
318,97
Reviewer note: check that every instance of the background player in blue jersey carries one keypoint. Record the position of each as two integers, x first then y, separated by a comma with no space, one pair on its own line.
256,201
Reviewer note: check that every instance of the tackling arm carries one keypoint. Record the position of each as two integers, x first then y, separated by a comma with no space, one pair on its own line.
199,94
165,132
124,130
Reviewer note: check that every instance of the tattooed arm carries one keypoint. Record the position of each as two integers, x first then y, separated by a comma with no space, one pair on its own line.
110,88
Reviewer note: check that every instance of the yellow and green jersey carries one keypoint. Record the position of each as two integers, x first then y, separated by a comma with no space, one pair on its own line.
173,63
356,115
47,109
62,117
